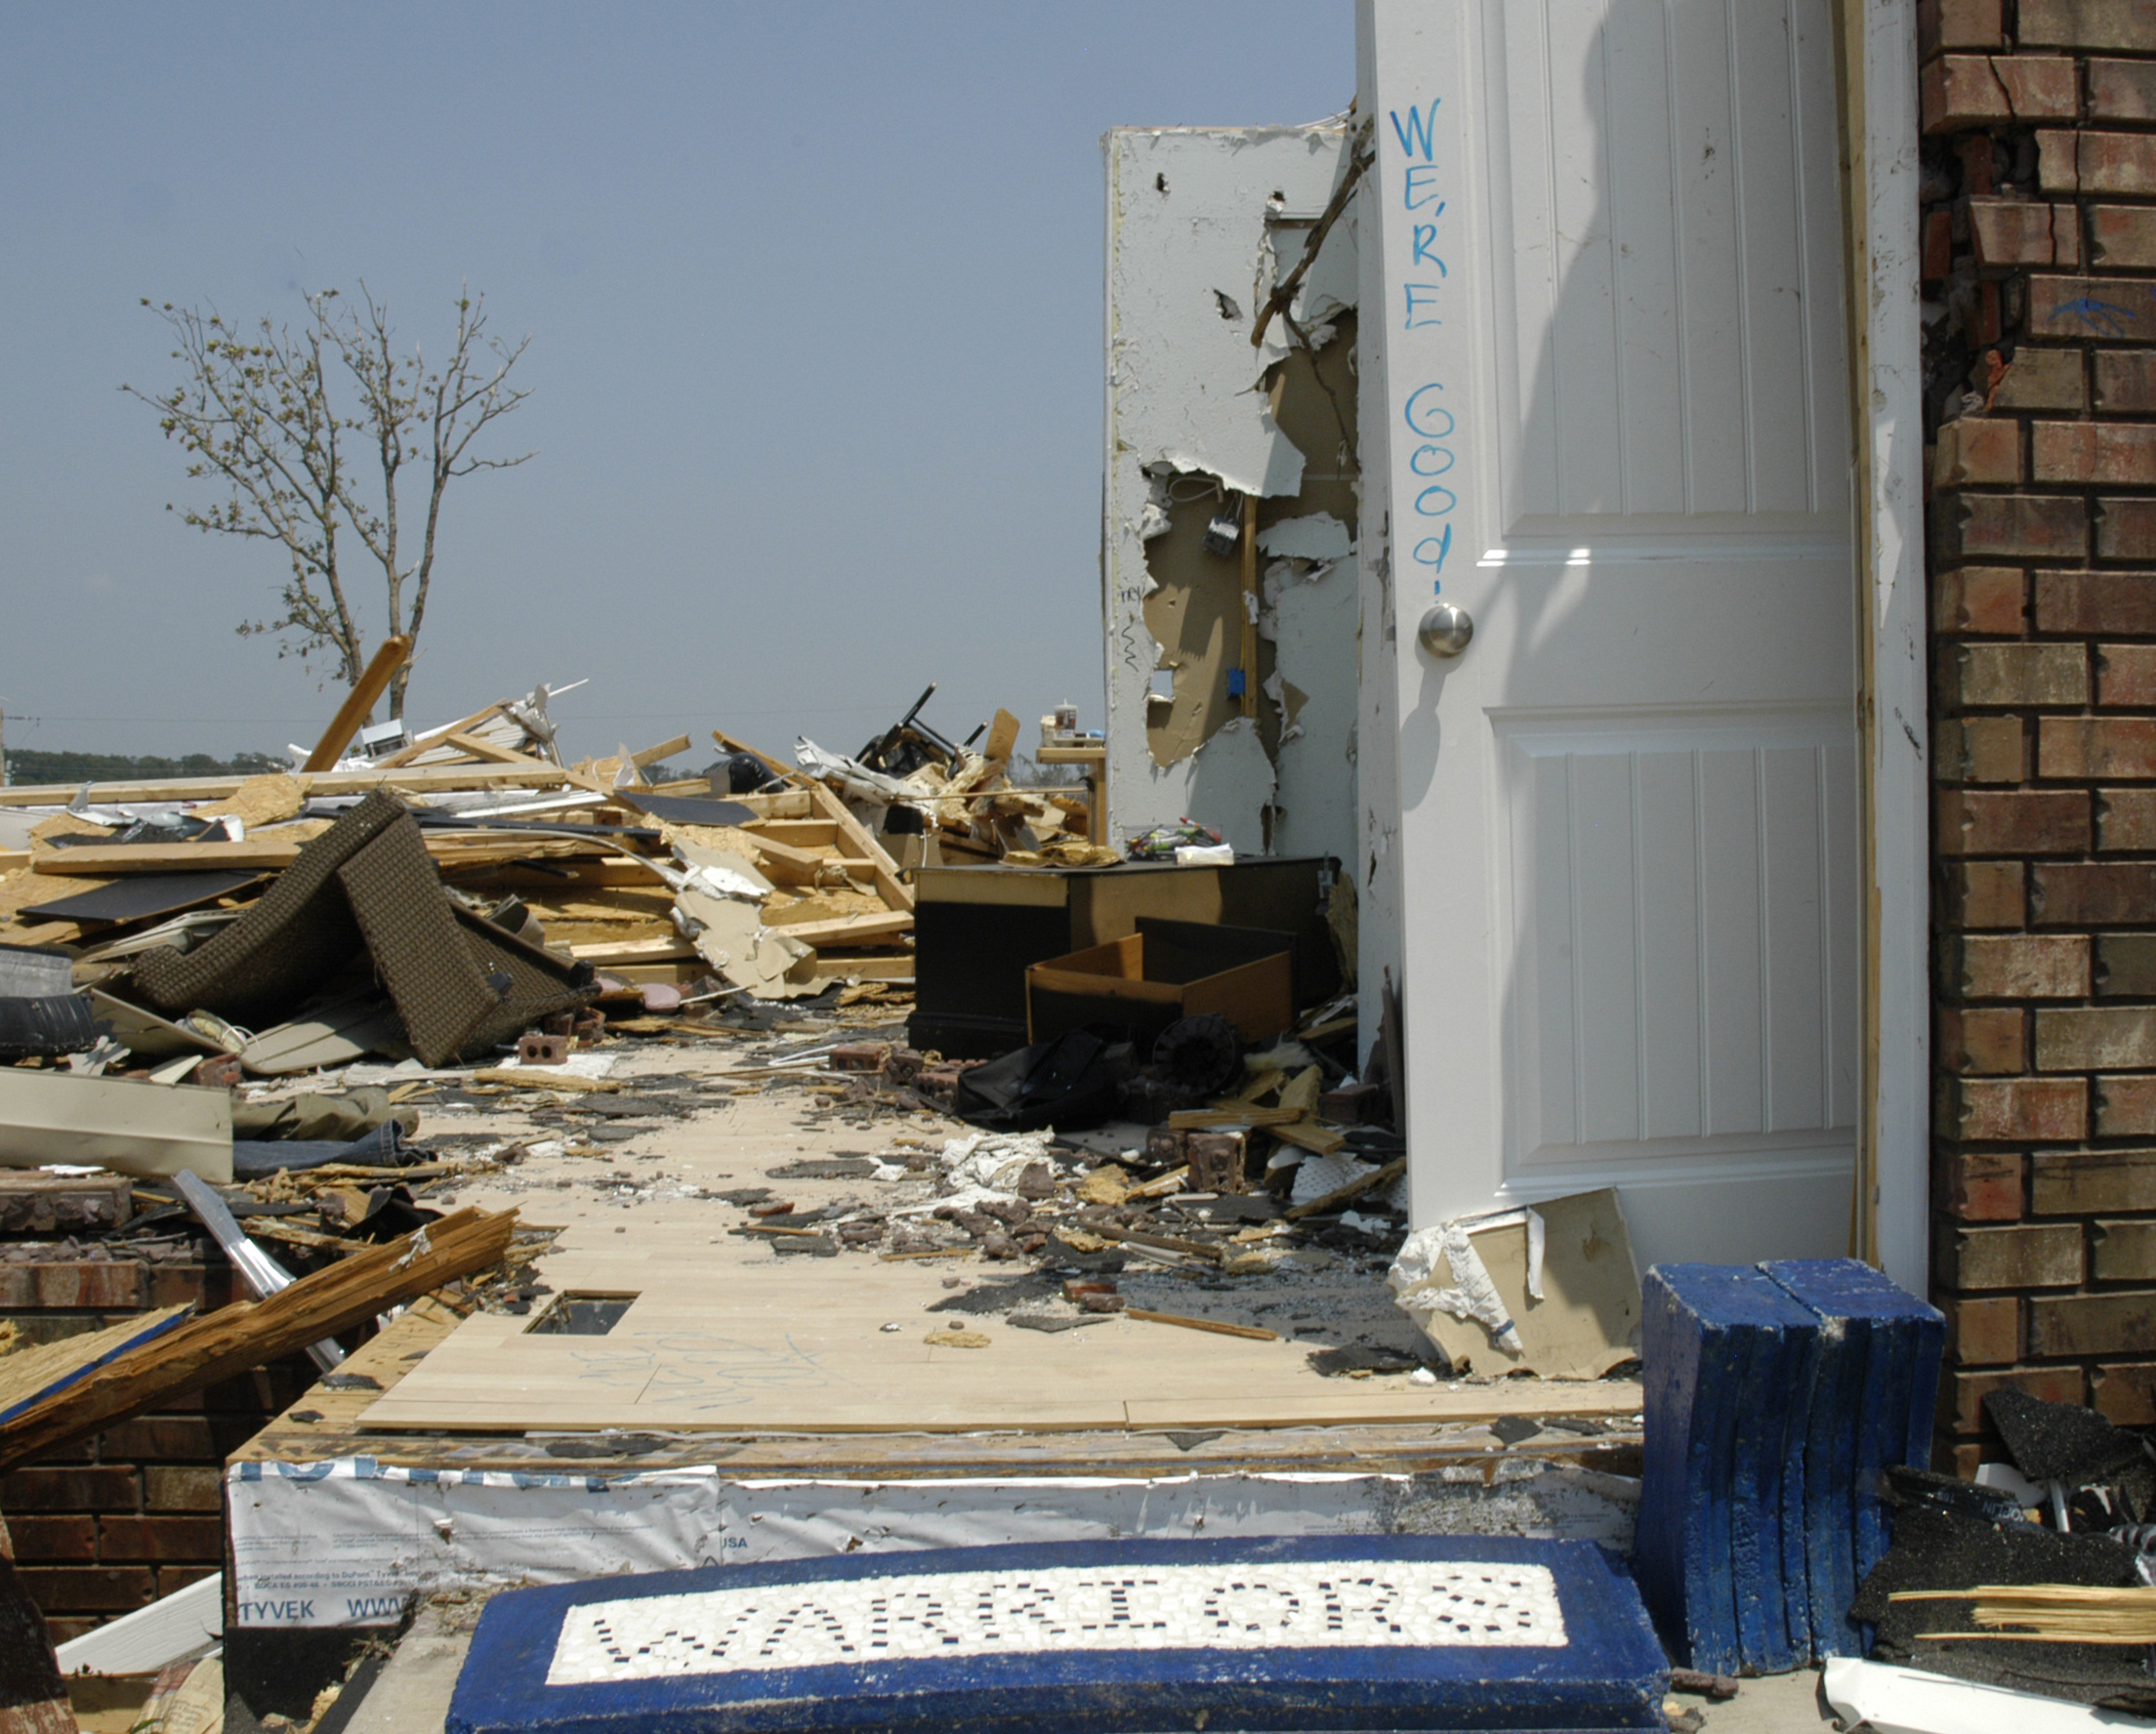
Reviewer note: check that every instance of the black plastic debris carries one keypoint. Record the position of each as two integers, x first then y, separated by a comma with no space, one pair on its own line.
1068,1084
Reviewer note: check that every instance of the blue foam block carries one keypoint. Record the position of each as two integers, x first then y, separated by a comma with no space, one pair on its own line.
1426,1633
1728,1362
1890,1344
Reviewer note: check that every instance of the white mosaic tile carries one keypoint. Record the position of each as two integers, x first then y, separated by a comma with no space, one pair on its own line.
1281,1605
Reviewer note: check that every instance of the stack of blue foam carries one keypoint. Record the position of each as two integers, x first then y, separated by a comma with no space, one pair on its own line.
1776,1397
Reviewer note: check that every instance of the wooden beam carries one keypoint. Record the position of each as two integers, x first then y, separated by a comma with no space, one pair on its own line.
858,930
418,779
435,738
664,750
250,1333
359,704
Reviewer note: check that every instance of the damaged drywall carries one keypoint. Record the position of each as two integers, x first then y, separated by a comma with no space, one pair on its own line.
1202,224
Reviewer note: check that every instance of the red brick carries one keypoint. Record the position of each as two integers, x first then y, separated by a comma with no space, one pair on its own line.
2097,601
172,1284
2122,90
2085,1039
2121,237
2126,529
1959,23
194,1487
1982,1186
1984,1039
2115,747
2092,1324
1986,1331
2074,895
125,1540
2014,526
2042,379
2008,232
2018,966
2012,1110
2125,1393
2117,162
2015,674
2093,451
54,1540
2125,819
1963,90
2126,1107
172,1579
2125,1250
68,1490
187,1437
1984,895
1980,598
2114,307
1981,750
2013,822
2028,1256
2126,675
1937,249
2126,380
121,1285
1979,451
2080,1183
2126,963
88,1589
2055,1385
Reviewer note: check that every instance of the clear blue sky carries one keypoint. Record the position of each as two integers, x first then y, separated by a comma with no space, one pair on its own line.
816,298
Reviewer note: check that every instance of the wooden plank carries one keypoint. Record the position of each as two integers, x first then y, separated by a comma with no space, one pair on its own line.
374,680
859,929
664,750
418,779
846,966
434,737
449,848
862,846
800,834
1218,1327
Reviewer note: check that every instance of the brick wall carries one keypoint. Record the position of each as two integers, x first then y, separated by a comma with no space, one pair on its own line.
137,1512
2039,260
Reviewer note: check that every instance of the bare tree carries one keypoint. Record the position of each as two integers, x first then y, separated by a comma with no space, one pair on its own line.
309,433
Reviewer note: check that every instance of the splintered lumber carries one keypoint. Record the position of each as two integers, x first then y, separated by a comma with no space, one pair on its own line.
849,830
1165,1243
247,1334
1218,1327
30,1376
2059,1613
359,703
1354,1188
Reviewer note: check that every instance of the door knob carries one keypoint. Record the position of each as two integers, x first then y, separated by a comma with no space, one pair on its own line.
1445,629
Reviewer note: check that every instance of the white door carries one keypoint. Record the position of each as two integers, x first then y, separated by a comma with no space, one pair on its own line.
1614,399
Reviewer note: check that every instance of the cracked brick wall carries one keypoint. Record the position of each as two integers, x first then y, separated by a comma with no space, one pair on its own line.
2038,265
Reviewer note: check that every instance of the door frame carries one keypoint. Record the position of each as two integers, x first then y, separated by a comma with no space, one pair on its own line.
1877,40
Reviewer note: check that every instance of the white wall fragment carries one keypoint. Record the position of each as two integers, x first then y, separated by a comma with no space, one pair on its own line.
1191,256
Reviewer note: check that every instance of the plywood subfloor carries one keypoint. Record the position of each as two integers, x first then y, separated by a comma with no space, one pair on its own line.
728,1337
800,1344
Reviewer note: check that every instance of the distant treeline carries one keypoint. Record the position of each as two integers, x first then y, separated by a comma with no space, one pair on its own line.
27,766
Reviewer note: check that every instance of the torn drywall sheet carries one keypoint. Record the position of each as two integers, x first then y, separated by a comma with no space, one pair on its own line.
1203,224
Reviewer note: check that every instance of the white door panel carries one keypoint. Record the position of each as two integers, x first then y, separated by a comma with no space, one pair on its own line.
1613,408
